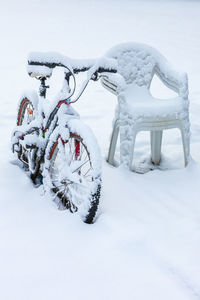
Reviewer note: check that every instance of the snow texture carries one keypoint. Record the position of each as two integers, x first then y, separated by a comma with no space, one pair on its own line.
145,243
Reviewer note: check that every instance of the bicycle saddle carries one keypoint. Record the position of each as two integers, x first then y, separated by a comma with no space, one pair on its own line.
39,71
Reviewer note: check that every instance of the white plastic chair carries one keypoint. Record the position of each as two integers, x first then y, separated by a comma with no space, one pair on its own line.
137,109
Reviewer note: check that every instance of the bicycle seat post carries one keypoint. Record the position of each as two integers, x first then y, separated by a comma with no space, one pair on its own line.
43,87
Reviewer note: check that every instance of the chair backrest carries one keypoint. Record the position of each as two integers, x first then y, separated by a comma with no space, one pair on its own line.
136,62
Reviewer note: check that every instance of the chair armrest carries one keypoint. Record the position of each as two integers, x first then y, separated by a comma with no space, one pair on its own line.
173,79
113,82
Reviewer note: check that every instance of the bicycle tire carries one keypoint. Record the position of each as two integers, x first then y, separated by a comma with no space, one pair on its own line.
24,106
79,190
27,110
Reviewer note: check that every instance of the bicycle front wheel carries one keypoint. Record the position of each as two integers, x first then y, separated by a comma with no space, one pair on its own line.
74,166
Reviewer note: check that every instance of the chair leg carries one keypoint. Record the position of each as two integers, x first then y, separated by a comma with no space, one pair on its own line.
156,142
113,143
127,141
132,150
186,142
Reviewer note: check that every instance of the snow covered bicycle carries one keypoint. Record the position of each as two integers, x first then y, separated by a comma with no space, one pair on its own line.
52,143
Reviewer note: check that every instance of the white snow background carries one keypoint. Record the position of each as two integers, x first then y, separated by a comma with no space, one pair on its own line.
145,243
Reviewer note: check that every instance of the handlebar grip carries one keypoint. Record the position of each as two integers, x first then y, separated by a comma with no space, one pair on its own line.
103,70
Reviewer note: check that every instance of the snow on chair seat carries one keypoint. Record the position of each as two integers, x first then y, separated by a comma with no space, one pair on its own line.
138,110
140,101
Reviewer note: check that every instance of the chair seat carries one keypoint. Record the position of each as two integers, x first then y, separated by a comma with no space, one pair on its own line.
139,102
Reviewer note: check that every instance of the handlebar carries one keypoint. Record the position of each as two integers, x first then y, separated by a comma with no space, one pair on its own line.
41,65
53,59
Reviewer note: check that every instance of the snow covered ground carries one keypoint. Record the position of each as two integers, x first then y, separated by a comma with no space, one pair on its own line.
146,241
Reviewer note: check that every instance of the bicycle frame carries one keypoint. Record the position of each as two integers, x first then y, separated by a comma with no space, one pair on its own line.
43,131
43,126
55,146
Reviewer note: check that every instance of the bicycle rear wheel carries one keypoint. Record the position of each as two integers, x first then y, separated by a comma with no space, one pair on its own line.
27,110
74,174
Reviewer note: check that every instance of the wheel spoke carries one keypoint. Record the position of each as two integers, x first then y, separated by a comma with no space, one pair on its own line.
73,186
80,166
72,156
87,171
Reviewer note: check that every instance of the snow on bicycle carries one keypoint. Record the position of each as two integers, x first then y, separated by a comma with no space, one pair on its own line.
55,147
